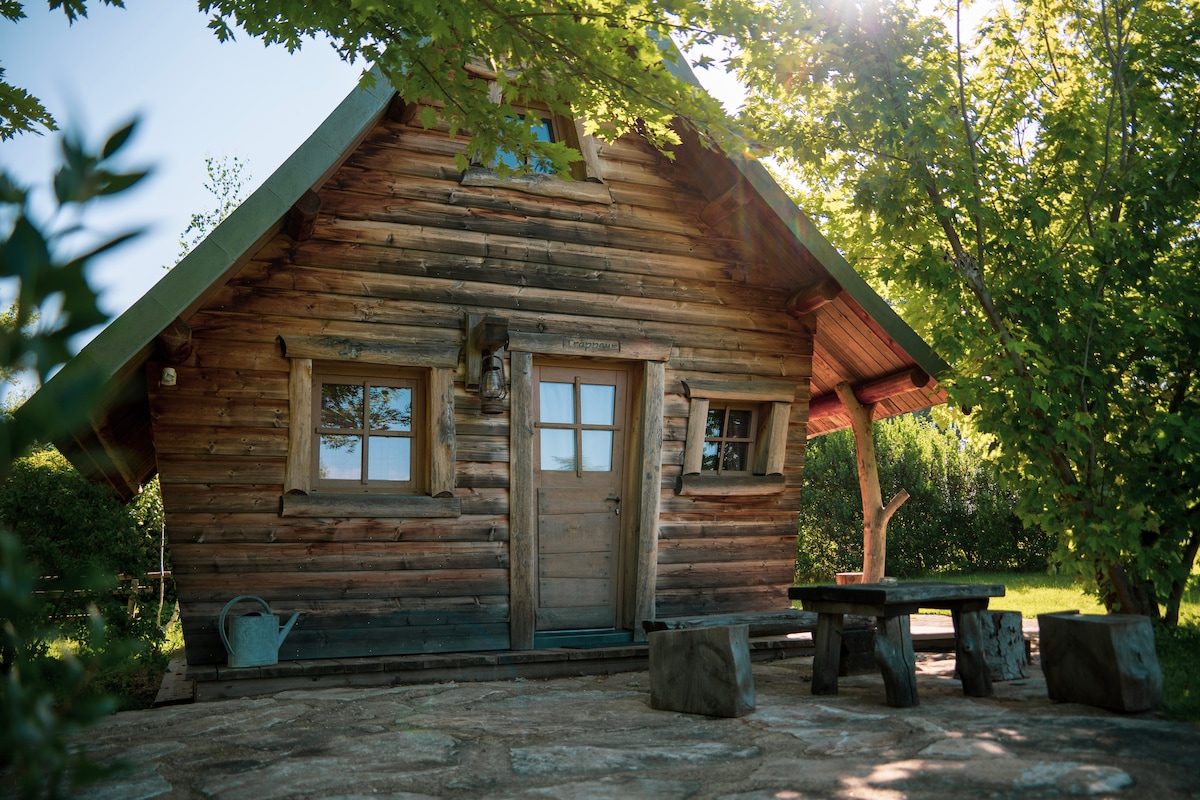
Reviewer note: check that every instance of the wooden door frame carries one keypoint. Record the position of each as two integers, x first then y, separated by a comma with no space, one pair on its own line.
643,475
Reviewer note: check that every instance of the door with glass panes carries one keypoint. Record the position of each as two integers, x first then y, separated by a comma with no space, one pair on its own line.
579,451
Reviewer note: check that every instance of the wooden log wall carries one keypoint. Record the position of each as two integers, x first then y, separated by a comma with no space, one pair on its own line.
401,252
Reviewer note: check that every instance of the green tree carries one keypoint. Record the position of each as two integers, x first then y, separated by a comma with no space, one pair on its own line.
84,533
602,61
1030,190
226,182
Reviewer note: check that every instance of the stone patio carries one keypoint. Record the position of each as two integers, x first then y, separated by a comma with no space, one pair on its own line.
597,737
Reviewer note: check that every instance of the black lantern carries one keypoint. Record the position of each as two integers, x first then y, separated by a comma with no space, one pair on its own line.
492,386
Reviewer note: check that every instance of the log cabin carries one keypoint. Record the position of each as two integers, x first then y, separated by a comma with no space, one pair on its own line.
444,411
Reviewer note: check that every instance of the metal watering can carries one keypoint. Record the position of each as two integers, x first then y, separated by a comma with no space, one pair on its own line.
256,637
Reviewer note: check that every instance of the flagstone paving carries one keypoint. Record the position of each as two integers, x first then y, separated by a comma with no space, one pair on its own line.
597,737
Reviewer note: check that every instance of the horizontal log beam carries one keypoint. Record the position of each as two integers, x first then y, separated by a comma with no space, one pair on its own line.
898,383
726,204
402,112
302,218
174,344
809,300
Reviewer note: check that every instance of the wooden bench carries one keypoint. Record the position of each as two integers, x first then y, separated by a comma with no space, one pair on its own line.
855,645
891,606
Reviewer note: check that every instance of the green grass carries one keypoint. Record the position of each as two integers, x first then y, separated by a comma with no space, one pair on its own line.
1178,648
1032,593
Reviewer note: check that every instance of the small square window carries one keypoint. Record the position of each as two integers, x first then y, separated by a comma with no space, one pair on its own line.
736,437
728,440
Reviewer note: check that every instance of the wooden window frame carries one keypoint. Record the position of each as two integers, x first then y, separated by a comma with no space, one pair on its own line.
586,185
751,440
418,433
773,399
435,366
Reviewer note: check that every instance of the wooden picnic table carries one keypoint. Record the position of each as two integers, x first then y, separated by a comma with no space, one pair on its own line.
891,606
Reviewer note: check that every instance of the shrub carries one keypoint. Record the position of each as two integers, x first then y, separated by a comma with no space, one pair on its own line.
958,518
80,539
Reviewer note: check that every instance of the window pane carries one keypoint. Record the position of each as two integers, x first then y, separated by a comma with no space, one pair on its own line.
543,133
716,422
596,404
341,406
341,458
708,462
558,450
389,458
508,158
597,451
739,424
736,457
390,408
557,402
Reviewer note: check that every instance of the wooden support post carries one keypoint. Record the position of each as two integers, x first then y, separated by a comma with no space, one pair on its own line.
302,218
875,514
897,661
827,659
649,482
971,661
522,603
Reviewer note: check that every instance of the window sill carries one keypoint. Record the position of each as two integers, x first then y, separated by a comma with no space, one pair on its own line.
368,505
541,185
729,486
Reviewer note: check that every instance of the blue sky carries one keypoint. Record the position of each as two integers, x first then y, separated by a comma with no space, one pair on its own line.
195,97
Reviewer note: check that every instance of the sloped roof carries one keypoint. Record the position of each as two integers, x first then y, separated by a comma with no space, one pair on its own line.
115,444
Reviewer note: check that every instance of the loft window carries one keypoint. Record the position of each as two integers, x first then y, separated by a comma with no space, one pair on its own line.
729,439
368,432
543,131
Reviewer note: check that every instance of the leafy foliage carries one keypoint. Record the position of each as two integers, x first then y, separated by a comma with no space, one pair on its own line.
605,61
20,111
1030,192
957,518
86,535
53,301
44,699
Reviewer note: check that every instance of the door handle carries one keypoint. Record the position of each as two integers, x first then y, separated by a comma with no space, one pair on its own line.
614,499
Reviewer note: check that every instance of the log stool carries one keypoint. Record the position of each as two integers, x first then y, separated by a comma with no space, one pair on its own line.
702,671
1101,660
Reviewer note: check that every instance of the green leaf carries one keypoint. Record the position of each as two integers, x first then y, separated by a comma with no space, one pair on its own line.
118,140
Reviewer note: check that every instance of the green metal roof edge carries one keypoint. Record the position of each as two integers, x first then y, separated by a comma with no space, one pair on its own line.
125,336
801,227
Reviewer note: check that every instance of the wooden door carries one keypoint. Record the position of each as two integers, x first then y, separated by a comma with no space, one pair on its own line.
579,455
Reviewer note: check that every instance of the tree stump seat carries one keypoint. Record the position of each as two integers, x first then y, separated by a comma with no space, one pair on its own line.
1105,660
702,671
